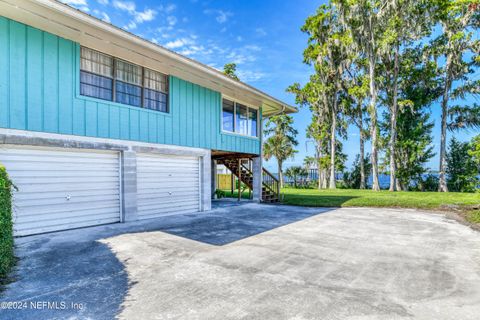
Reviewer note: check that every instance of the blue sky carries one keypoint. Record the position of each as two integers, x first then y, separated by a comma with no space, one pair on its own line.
262,37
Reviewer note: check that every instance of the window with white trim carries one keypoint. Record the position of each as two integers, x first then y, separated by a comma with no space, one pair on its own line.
239,118
108,78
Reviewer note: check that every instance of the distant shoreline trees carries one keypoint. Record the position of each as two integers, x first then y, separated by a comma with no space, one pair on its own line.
380,65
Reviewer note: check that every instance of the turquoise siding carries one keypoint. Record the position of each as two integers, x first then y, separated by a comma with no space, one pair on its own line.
39,91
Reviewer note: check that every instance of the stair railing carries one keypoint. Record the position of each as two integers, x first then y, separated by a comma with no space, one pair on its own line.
271,182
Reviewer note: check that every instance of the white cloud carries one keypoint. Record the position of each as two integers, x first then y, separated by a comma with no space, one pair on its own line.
124,6
171,20
169,8
179,43
79,4
220,15
103,2
239,38
250,76
130,26
139,17
147,15
105,17
261,32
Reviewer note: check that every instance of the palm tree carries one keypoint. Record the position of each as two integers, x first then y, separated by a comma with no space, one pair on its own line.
296,172
280,142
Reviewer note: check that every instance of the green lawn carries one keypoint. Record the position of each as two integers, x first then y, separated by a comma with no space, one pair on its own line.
368,198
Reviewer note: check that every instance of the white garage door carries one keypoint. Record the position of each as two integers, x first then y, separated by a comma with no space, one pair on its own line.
167,185
61,189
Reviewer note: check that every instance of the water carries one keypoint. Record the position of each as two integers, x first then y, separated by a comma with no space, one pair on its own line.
383,179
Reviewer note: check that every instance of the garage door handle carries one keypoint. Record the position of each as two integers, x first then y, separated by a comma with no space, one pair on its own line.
68,197
170,193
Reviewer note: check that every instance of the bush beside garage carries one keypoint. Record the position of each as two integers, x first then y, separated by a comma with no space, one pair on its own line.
7,259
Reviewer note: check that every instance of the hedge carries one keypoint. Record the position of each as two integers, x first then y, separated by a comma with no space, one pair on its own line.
7,258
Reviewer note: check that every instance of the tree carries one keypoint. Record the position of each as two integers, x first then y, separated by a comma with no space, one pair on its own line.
313,95
230,69
295,173
357,89
309,162
475,152
281,141
327,52
354,178
418,89
461,168
407,22
459,21
366,21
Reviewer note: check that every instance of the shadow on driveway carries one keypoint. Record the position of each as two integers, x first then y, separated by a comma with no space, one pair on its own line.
59,269
231,221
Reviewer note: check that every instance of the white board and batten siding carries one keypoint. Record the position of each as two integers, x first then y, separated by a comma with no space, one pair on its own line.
61,189
167,184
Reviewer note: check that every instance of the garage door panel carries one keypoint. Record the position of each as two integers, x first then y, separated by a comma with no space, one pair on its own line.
60,189
167,185
43,194
52,187
145,195
51,202
67,218
179,185
56,158
72,173
62,225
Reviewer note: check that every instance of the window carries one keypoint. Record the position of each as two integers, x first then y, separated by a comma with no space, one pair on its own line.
107,78
128,84
156,91
252,122
228,115
96,74
239,118
242,120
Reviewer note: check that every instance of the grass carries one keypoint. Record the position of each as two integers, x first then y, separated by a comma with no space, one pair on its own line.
473,216
368,198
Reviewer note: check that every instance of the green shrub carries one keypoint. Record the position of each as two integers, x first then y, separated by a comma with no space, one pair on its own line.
6,225
220,194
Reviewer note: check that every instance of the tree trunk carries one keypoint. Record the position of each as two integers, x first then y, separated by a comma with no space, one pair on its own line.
332,184
326,178
374,125
280,174
398,184
362,153
442,185
393,123
319,172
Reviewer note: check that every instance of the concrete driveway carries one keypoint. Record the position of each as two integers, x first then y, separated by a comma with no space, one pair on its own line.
253,261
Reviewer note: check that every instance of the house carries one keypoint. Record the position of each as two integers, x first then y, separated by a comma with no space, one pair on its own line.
100,126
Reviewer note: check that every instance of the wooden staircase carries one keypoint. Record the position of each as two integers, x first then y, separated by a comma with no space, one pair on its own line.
270,184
